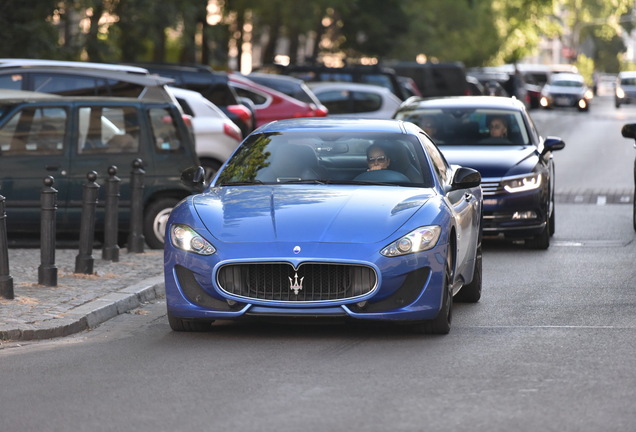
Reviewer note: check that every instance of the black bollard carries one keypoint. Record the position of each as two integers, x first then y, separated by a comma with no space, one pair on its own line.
84,259
135,236
47,271
6,281
110,250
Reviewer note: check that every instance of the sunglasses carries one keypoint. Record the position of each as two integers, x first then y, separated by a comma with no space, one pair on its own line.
379,159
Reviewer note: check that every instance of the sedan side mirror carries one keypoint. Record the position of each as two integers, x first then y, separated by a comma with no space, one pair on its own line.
465,178
552,144
629,130
194,178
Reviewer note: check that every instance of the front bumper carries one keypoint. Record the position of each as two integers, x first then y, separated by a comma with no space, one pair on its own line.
519,215
408,288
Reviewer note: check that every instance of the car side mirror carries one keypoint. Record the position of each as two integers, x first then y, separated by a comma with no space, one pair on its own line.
194,178
629,130
465,178
552,144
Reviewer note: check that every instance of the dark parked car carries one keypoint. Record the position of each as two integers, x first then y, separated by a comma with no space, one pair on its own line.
67,137
381,76
497,137
435,79
297,226
629,131
213,85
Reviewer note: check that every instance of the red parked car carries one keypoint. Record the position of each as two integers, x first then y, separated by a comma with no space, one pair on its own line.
270,104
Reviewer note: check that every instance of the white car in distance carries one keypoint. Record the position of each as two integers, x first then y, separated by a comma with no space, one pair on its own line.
215,135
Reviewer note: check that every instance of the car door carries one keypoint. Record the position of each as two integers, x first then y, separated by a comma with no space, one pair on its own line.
34,145
465,207
106,134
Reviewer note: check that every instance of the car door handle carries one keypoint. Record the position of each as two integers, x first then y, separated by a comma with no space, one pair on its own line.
52,167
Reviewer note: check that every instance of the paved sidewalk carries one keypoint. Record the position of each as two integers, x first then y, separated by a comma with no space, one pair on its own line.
79,301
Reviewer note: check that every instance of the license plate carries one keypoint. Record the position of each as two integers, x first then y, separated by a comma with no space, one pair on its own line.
490,201
562,101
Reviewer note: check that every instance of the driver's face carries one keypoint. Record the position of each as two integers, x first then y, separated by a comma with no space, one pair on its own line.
377,160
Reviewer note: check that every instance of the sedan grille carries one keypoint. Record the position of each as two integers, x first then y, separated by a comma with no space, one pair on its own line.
491,187
311,282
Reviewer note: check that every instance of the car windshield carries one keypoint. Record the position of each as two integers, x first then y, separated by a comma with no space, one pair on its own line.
469,126
568,83
328,157
628,81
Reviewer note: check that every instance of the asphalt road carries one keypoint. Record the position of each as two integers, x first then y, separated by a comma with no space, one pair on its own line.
551,346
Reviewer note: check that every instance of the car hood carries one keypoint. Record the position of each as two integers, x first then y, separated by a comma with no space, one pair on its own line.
493,161
300,213
564,90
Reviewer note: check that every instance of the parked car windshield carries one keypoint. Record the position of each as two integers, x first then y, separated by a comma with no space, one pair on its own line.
469,126
329,157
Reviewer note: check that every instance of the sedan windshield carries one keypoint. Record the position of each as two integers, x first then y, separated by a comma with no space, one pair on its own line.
329,157
469,126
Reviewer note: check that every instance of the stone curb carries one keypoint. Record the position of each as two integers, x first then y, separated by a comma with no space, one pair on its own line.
91,314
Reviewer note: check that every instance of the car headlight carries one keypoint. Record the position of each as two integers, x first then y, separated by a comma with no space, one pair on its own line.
522,184
187,239
420,239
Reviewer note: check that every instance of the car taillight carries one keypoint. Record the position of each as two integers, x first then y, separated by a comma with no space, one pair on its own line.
232,131
187,120
243,113
321,111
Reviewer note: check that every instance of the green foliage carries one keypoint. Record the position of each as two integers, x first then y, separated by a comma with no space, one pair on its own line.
26,28
475,32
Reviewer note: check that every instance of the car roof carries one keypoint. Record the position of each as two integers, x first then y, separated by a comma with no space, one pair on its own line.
17,96
24,62
131,74
496,102
338,85
274,77
333,124
627,74
566,76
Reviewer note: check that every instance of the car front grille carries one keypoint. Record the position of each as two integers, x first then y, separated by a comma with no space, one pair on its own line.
311,282
491,187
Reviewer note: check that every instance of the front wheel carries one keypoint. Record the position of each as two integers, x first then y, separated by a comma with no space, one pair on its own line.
156,220
471,293
442,322
185,325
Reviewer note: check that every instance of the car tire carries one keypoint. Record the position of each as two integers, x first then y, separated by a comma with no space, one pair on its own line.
155,219
187,325
552,222
441,324
471,293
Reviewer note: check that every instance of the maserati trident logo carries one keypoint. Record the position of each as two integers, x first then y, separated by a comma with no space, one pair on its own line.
295,285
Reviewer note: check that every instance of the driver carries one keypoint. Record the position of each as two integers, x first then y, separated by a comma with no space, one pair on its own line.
377,159
498,127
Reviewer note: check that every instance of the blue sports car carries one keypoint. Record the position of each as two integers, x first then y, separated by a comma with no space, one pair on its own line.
497,137
327,219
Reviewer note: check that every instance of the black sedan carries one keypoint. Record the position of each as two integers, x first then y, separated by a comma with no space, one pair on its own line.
496,136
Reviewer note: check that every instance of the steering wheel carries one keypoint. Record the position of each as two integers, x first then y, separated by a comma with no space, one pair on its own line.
382,176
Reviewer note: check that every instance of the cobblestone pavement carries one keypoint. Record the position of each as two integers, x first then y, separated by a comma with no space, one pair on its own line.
79,301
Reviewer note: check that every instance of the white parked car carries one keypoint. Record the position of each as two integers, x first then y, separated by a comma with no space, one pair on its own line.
215,135
353,100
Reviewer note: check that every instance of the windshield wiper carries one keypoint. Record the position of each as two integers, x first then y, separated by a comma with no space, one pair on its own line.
241,183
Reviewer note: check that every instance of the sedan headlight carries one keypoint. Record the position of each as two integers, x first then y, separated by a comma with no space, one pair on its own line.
620,93
420,239
522,184
187,239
